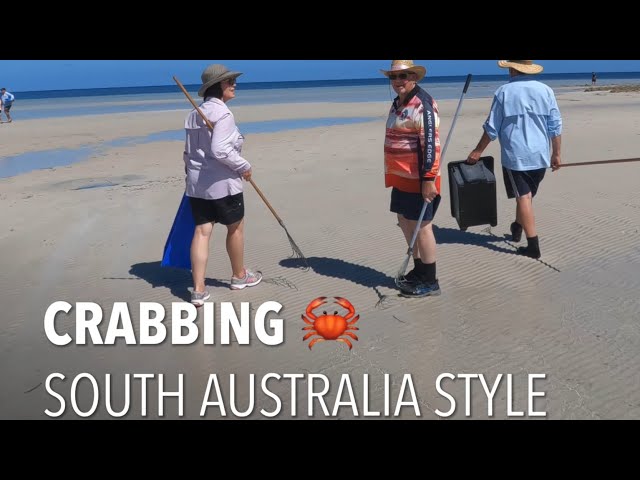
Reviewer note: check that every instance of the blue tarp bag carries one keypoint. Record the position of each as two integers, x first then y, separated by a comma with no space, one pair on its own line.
177,250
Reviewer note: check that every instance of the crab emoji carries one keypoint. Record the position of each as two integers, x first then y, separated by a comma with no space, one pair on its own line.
330,327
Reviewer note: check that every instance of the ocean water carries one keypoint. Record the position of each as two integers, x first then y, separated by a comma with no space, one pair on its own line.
61,103
65,103
27,162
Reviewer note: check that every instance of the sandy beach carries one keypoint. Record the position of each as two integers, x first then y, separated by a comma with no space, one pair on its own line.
94,231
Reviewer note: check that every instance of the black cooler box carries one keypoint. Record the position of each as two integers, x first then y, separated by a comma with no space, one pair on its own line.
472,189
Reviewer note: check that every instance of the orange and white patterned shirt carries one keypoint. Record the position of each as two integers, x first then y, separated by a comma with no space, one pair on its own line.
412,143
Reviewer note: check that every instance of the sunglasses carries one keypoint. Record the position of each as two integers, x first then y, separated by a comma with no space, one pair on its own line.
401,76
231,82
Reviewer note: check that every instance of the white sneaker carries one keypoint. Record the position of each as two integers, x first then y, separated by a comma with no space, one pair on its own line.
250,279
198,298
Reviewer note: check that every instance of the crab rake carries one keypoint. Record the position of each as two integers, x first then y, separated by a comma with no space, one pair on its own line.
405,263
297,253
599,162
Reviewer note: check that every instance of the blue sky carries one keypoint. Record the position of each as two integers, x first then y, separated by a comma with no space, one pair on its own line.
29,75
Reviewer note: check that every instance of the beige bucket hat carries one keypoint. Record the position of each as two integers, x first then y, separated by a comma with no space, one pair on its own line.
398,66
523,66
214,74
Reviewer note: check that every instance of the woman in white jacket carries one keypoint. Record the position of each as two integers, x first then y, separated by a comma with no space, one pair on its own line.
215,169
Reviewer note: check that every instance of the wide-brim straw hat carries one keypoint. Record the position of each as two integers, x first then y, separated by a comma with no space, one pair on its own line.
523,66
401,65
214,74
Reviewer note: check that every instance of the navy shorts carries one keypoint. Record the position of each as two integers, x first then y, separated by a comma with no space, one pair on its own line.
519,183
227,210
409,205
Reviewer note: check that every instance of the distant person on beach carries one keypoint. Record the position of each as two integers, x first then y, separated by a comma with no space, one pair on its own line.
525,118
412,170
593,78
6,99
214,173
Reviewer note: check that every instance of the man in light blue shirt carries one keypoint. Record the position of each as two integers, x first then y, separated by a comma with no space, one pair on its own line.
525,118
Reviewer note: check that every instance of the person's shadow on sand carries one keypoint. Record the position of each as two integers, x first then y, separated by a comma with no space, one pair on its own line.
371,278
176,279
336,268
452,235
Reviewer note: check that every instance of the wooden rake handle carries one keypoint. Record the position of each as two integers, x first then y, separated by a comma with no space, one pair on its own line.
600,162
210,125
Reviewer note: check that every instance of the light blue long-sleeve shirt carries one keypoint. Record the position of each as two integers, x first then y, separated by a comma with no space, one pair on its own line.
525,117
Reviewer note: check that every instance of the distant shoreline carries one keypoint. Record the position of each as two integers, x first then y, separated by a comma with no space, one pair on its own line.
614,88
170,87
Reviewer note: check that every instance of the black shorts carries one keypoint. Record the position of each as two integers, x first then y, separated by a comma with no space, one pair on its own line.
227,210
409,205
7,108
519,183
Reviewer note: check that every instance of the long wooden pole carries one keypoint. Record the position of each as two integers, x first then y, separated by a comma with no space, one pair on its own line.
600,162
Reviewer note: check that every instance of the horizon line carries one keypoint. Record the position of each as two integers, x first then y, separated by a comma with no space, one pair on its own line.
196,85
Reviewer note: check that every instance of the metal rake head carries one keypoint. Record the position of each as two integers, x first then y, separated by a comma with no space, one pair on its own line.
297,253
401,272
